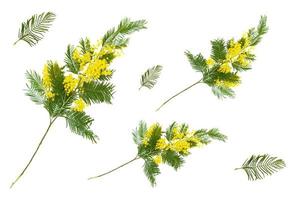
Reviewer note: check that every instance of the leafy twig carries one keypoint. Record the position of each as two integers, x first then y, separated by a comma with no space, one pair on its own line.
149,78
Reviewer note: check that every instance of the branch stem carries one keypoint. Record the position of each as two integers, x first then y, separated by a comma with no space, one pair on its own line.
182,91
35,152
110,171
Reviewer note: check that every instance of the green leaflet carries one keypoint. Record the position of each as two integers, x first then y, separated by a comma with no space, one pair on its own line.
259,166
150,77
33,30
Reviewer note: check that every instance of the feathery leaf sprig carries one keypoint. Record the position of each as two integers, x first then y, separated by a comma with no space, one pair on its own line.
170,147
260,166
65,91
150,77
33,30
221,70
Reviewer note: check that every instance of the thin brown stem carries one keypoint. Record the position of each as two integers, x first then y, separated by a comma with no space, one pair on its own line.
200,81
35,152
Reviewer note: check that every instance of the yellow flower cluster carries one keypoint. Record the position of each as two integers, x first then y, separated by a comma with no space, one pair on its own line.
92,64
228,84
181,142
225,68
70,83
47,84
210,62
149,133
157,159
79,105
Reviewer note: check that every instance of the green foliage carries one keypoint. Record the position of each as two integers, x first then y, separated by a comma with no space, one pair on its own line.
261,29
149,78
198,62
35,88
117,36
259,166
223,92
151,170
139,132
70,63
169,147
80,123
85,45
206,136
218,50
172,158
221,70
33,30
97,92
57,77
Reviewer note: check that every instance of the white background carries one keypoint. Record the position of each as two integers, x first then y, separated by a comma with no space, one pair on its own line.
263,118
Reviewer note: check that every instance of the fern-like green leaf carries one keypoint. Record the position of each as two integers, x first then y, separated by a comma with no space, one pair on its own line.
261,29
34,87
218,50
33,30
149,78
70,63
97,92
117,36
172,158
222,92
198,62
259,166
206,136
139,132
151,170
80,123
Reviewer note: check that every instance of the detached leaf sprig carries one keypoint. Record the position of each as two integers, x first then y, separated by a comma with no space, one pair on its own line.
170,147
33,30
221,70
259,166
150,77
65,91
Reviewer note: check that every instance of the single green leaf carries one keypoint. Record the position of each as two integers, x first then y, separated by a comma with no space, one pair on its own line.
149,78
33,30
259,166
97,92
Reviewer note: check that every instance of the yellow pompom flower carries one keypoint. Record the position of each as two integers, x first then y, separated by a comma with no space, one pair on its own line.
107,49
180,146
234,50
225,68
47,84
79,105
227,84
76,55
242,60
50,95
70,83
161,144
95,69
157,159
210,62
46,78
149,133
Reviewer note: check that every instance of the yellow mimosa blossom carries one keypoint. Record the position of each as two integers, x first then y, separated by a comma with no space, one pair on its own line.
49,95
242,60
157,159
177,134
210,62
70,83
107,49
46,78
47,84
180,146
79,105
76,55
161,144
95,70
226,83
225,68
246,40
234,50
149,133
